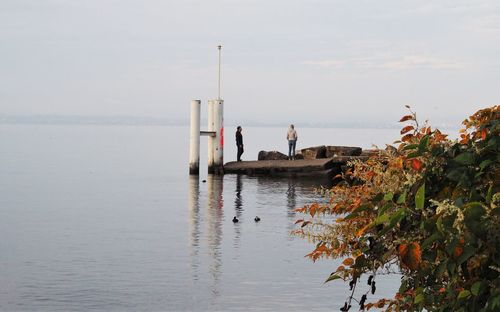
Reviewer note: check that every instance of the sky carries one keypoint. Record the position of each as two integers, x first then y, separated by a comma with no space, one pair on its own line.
309,62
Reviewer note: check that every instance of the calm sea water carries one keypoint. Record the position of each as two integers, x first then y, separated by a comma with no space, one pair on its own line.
106,218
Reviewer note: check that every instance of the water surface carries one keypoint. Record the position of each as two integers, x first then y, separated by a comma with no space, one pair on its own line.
106,218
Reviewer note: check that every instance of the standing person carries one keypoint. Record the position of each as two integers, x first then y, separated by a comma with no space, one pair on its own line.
239,142
292,137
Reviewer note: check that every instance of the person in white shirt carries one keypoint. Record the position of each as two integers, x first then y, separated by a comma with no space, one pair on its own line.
291,136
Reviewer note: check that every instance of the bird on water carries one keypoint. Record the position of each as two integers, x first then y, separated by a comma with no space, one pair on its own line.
235,220
257,219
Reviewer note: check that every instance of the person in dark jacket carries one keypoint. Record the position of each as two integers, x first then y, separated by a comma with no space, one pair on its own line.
239,142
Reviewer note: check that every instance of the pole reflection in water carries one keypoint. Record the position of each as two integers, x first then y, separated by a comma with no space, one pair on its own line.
194,223
205,226
214,218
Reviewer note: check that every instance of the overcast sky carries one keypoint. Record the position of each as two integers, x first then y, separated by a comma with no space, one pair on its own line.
283,60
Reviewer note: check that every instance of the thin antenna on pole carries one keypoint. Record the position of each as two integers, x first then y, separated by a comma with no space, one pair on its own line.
219,47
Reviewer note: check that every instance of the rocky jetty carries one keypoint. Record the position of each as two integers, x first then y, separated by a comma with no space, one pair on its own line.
273,155
315,152
312,161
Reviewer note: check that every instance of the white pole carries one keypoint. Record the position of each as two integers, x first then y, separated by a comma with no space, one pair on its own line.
194,138
219,136
220,47
211,139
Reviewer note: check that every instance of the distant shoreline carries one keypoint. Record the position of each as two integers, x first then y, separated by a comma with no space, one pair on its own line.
152,121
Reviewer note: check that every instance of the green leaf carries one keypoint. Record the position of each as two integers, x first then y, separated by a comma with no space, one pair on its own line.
414,154
382,219
351,216
469,251
420,197
495,212
398,216
431,239
451,268
410,147
474,211
332,277
429,225
475,288
439,225
388,196
424,142
464,294
495,301
465,158
485,163
441,268
377,198
489,194
437,150
456,174
362,208
384,208
419,298
395,218
402,198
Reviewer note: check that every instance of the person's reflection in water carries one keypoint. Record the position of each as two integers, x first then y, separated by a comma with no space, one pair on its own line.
238,208
194,224
214,218
291,198
238,201
291,202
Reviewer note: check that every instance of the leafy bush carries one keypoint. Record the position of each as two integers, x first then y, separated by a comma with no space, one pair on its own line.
428,210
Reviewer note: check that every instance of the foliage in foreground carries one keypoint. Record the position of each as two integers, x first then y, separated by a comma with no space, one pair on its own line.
428,210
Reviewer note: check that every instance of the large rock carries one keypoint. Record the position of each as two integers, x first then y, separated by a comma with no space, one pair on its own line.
272,155
316,152
299,156
370,152
332,151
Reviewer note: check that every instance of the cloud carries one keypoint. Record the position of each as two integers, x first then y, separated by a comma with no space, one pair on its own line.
405,62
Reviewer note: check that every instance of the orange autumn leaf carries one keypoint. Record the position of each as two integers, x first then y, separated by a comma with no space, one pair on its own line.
370,174
348,261
439,136
397,163
406,129
410,292
312,209
483,134
407,117
465,138
321,248
416,164
410,255
407,137
457,251
362,230
381,303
